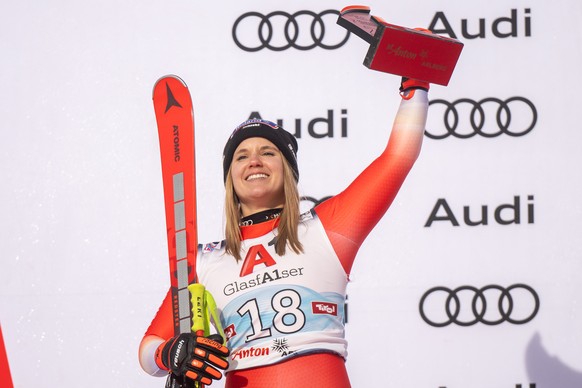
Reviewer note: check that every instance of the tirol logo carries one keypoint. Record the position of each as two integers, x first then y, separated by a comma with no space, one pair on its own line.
504,214
279,31
518,23
230,331
331,124
324,308
489,117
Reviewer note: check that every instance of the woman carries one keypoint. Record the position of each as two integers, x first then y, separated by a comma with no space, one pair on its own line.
279,278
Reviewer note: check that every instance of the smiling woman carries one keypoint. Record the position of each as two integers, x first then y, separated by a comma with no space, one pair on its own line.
279,278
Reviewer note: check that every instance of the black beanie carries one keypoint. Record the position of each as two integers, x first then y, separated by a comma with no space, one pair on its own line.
285,142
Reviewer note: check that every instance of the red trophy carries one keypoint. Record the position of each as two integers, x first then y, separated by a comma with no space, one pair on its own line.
411,53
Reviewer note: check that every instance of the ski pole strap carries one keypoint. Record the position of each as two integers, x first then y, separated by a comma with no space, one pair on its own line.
212,310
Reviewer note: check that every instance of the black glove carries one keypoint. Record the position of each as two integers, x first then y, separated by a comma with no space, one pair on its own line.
174,381
194,357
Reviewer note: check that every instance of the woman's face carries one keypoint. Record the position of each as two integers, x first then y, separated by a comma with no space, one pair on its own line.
257,175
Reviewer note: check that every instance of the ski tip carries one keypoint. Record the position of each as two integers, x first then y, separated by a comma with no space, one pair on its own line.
168,77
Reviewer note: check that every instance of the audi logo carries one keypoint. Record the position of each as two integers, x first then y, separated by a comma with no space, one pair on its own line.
465,118
490,305
279,30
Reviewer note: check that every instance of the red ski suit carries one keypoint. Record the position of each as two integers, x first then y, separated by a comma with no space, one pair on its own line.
347,219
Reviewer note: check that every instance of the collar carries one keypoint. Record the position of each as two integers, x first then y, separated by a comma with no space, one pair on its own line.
260,229
261,216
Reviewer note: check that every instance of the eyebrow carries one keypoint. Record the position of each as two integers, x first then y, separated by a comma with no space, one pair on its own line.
265,147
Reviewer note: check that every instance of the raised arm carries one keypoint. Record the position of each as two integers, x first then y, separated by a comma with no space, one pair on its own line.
350,216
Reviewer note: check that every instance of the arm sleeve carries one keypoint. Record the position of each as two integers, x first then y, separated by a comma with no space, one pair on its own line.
349,216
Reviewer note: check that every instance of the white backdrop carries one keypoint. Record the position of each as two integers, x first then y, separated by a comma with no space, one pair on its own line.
82,236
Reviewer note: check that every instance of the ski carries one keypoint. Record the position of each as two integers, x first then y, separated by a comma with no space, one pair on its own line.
175,121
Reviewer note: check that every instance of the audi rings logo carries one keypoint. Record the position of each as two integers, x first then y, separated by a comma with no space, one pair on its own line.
489,117
279,30
490,305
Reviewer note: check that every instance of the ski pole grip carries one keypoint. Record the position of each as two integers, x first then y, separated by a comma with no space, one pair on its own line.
198,307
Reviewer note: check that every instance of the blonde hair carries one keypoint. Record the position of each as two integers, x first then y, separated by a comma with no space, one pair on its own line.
287,231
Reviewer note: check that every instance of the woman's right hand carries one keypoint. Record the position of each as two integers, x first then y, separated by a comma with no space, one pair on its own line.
194,357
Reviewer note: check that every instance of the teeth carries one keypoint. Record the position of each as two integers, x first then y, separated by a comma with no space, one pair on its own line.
257,176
